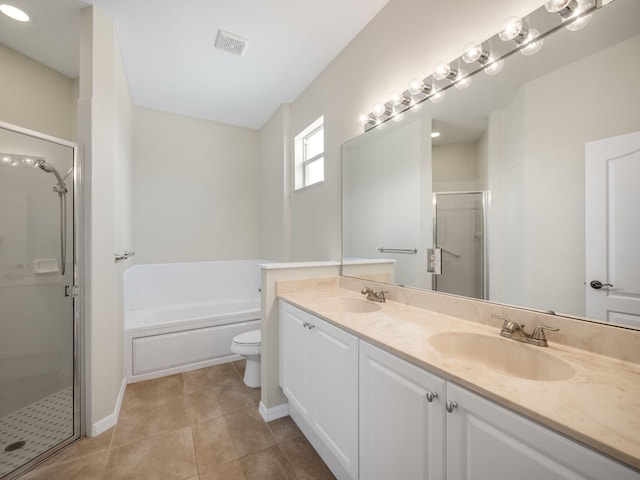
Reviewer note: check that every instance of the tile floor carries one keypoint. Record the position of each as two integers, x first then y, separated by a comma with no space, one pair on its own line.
198,425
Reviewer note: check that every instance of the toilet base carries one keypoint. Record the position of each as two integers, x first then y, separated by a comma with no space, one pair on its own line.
252,371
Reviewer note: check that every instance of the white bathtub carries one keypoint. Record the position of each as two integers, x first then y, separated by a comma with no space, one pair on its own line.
180,317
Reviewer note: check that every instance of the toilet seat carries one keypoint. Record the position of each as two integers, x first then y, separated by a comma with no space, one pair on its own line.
248,338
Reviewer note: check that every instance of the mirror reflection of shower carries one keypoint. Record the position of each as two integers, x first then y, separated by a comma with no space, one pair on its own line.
19,160
459,232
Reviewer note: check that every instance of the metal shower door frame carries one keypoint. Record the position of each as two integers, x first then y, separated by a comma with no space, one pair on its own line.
77,289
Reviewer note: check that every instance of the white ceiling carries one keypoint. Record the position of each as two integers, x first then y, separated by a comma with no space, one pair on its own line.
169,54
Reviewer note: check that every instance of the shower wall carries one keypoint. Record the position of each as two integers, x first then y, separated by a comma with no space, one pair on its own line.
36,341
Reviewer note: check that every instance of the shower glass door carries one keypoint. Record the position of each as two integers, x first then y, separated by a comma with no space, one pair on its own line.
39,395
459,230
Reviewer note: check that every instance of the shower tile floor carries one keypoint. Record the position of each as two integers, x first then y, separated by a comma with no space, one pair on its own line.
198,425
40,425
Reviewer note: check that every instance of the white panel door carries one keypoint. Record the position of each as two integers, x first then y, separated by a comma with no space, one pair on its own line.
335,392
486,441
613,229
295,367
401,419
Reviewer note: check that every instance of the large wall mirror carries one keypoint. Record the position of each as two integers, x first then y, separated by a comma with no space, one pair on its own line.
530,192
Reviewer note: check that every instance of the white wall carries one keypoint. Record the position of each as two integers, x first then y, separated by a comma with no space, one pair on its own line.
403,41
456,167
104,123
196,189
34,96
528,247
275,213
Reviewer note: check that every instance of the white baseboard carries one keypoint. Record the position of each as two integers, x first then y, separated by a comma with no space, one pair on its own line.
273,413
110,421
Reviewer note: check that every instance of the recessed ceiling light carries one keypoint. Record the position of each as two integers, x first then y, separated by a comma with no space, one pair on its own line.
435,134
14,12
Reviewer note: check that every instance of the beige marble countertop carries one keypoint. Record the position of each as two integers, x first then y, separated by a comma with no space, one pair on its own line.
599,405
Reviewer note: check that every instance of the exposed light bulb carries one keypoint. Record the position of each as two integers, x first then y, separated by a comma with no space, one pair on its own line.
578,19
533,46
462,82
396,97
363,119
14,13
6,159
441,70
473,52
494,67
580,22
28,161
435,134
556,6
510,29
437,97
378,109
416,86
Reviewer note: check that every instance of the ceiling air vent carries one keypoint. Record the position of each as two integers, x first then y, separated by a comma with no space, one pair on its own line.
231,43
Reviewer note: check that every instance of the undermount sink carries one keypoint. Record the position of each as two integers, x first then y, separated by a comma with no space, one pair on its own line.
350,305
505,356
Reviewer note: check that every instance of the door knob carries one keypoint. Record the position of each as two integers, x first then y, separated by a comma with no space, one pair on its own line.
597,284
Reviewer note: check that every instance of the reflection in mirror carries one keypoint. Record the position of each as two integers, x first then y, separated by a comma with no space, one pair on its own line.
458,258
545,144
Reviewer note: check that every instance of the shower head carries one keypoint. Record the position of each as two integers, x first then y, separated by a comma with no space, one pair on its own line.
43,165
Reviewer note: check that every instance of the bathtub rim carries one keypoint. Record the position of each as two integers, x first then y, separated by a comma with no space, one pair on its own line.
238,306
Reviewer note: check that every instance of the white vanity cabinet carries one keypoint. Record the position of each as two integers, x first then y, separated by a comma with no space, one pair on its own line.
485,440
374,416
319,376
416,426
401,419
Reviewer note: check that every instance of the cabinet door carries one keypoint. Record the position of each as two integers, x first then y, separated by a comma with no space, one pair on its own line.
485,440
295,358
335,392
401,431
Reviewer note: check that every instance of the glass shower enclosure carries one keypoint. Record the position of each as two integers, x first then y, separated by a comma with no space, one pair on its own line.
39,306
459,231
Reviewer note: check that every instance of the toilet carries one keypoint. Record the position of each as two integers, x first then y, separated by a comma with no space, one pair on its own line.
248,344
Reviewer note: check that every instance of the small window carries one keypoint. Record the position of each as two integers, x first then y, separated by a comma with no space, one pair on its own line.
309,155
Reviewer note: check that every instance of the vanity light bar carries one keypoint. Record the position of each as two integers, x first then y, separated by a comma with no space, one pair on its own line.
523,35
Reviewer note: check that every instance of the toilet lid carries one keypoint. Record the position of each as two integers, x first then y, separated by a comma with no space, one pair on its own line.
248,338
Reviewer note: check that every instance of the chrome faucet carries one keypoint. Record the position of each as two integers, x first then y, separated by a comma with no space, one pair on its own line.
371,295
516,332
